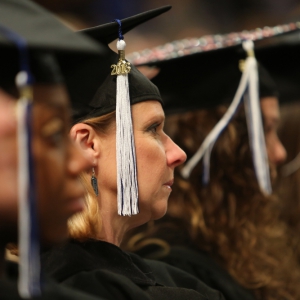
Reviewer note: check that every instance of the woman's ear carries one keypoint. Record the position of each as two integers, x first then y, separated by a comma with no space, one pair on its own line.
84,136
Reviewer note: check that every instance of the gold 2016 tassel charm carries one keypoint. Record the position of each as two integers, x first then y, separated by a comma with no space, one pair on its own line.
123,66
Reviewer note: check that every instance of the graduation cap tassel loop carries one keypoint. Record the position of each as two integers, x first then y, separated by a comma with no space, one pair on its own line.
125,146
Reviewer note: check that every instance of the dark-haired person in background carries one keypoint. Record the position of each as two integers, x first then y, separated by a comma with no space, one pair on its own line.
227,232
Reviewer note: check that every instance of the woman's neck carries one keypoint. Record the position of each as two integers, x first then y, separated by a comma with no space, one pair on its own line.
114,227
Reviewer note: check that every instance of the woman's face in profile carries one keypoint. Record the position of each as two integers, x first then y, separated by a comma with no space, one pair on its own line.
157,156
57,164
275,149
8,165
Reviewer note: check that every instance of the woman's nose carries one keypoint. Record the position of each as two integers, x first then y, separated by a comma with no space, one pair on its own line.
278,155
175,155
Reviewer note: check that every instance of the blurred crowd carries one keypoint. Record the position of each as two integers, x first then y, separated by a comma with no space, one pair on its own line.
190,18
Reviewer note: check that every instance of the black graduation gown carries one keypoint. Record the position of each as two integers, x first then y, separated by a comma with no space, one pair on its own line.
201,265
51,290
78,264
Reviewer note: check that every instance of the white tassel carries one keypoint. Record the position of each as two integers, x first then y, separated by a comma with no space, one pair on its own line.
24,213
125,146
211,138
254,120
255,126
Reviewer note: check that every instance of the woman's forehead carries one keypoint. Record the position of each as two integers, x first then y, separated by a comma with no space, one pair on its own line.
52,95
148,109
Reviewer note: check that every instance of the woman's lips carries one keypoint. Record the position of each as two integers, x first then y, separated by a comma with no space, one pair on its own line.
75,199
169,183
76,204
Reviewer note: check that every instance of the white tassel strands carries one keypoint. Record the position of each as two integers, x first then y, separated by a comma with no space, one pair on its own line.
29,284
24,213
249,86
255,127
125,146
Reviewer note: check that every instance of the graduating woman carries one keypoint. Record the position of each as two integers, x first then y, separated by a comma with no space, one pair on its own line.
129,184
226,231
35,144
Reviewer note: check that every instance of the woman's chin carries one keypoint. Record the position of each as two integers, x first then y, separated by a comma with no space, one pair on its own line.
156,211
159,212
55,236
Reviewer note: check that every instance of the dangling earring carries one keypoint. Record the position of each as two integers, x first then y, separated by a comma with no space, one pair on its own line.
94,182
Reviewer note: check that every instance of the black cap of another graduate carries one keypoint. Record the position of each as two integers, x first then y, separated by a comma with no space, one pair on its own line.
205,72
205,81
41,33
41,29
213,70
281,58
31,39
97,95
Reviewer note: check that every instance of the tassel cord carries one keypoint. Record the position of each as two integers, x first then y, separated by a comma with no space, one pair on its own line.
23,182
256,132
220,126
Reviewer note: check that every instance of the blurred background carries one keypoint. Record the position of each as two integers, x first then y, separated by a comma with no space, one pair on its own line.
187,18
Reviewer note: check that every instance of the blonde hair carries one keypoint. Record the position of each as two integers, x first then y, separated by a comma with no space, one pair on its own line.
86,224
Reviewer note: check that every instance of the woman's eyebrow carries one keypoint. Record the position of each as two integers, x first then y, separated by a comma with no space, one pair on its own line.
52,126
156,118
58,106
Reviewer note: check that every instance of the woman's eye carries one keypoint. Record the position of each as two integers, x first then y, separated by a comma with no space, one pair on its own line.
57,137
54,131
153,128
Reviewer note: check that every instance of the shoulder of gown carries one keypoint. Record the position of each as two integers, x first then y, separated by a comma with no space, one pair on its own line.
103,269
51,289
201,265
171,276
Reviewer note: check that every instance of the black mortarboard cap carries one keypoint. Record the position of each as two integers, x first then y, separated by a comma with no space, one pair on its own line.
108,32
41,29
29,38
140,89
93,77
205,72
42,32
205,80
115,88
281,58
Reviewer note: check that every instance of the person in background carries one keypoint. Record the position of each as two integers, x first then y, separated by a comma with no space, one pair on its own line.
227,232
31,45
288,175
